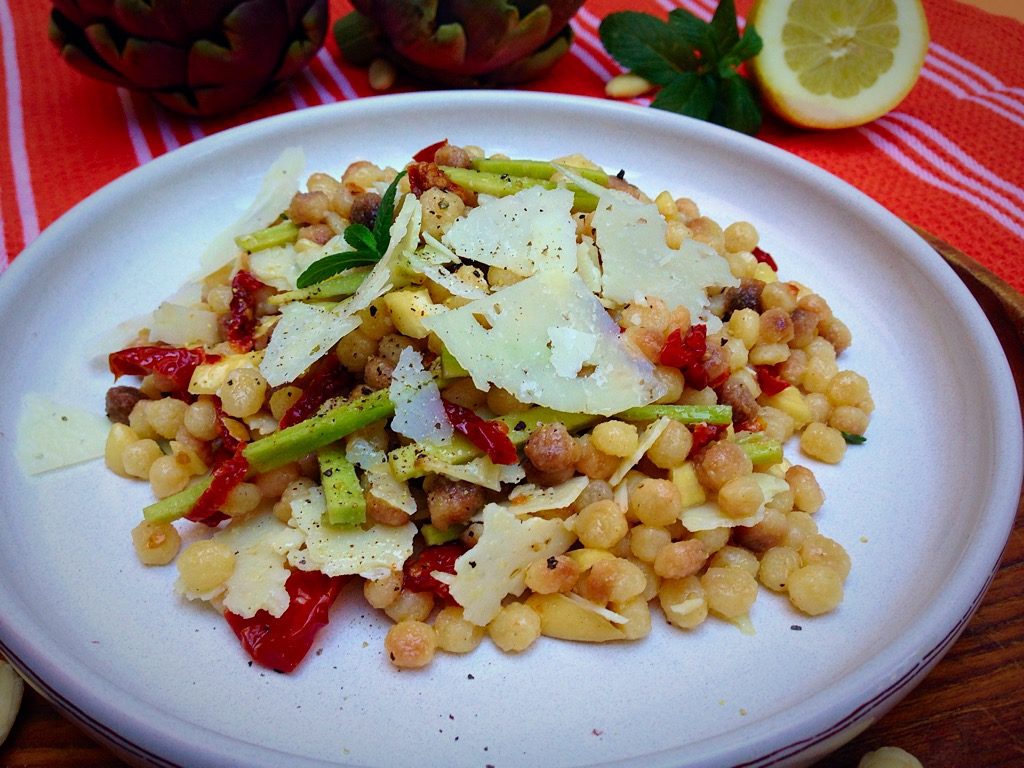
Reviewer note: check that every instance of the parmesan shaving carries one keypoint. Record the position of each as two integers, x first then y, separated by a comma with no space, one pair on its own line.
707,516
52,435
529,499
604,613
419,412
480,471
647,439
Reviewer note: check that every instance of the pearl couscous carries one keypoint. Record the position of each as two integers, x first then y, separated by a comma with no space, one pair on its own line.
513,399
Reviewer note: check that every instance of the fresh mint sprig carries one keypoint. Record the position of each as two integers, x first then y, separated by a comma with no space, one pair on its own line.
368,245
693,61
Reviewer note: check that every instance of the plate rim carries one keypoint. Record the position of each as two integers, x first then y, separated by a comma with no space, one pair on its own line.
93,707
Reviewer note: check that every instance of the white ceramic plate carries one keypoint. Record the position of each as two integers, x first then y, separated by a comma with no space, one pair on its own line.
924,507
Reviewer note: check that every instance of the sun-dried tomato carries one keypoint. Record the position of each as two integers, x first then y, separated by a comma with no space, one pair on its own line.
687,352
225,477
763,257
418,569
426,154
768,379
241,321
706,433
176,364
281,643
491,437
327,381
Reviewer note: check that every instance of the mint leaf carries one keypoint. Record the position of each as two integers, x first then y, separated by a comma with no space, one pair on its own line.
745,48
724,29
360,238
738,107
689,94
695,32
646,45
329,266
385,214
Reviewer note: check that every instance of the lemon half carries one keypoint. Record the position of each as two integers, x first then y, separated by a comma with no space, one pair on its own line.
837,63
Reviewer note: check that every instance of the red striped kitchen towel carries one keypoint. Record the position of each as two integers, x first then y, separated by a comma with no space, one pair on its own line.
949,159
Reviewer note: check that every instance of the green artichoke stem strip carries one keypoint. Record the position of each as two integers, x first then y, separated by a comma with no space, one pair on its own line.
762,451
433,536
686,414
408,461
344,284
290,444
346,504
279,234
534,169
502,185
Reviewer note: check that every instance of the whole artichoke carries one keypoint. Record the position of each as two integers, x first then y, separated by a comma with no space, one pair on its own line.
198,57
460,42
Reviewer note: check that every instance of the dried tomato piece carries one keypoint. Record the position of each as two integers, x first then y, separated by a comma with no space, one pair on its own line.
706,433
491,437
763,257
176,364
418,570
426,154
687,352
241,321
281,643
326,382
225,477
769,380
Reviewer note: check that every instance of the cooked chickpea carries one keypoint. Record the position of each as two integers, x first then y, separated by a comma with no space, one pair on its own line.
615,438
836,333
546,576
410,606
593,463
770,532
807,494
167,477
729,591
801,525
779,295
601,525
138,420
119,438
672,446
815,589
776,565
680,559
282,400
166,416
354,350
683,602
822,442
745,325
137,457
713,539
454,633
613,580
655,502
515,628
740,497
273,482
645,541
847,388
411,644
200,419
778,425
596,490
735,557
155,543
205,565
637,613
819,549
740,236
242,392
241,500
440,210
849,419
720,463
382,592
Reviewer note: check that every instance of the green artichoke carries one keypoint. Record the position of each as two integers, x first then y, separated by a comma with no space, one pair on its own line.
460,42
198,57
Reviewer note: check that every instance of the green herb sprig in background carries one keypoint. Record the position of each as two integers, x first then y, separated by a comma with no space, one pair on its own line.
693,61
368,245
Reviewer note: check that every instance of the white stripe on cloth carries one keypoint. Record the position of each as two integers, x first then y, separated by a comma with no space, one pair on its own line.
993,82
586,31
961,156
23,192
297,101
963,95
896,155
1000,103
166,134
336,75
325,96
589,61
135,134
949,170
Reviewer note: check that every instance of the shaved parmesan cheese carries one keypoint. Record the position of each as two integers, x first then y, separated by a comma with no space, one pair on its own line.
647,439
382,483
570,349
280,267
637,263
304,334
208,377
419,413
52,435
525,233
496,565
280,184
528,499
504,340
363,453
480,471
307,332
588,264
336,550
183,326
704,517
600,610
261,545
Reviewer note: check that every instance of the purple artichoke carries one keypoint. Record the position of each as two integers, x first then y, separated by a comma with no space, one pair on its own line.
198,57
460,42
